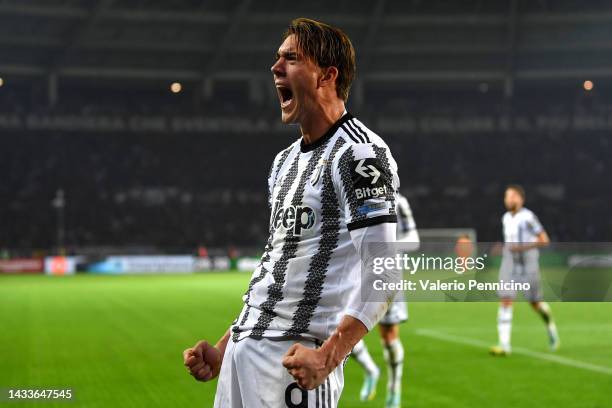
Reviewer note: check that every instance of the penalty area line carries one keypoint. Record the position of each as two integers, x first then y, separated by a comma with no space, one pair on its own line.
515,350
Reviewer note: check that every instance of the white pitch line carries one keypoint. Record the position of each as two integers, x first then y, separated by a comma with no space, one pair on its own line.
516,350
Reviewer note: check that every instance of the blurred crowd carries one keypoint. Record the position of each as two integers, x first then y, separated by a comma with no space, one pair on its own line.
181,191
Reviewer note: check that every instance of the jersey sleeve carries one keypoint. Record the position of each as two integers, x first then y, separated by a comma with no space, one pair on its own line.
366,179
366,303
534,225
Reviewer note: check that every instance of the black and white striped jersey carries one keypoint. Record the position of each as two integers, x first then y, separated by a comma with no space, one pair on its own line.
319,192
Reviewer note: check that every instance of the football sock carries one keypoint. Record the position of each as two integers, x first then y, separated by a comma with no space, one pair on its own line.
504,326
394,356
544,311
361,354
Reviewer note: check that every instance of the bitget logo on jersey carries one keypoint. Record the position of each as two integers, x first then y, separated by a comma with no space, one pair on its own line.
368,180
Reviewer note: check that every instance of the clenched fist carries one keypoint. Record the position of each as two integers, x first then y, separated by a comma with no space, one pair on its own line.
203,361
310,367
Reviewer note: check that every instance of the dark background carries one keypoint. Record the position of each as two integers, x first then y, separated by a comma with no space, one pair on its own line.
470,96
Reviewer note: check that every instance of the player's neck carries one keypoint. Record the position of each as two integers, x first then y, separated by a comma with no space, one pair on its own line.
516,210
317,123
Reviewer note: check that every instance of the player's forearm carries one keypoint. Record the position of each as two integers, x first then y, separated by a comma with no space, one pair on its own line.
341,342
543,239
222,343
540,244
369,300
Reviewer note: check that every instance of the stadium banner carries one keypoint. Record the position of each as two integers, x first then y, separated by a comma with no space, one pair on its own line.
486,272
60,265
203,264
222,263
426,123
22,265
136,264
214,263
247,264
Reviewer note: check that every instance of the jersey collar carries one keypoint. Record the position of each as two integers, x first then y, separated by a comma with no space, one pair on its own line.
304,148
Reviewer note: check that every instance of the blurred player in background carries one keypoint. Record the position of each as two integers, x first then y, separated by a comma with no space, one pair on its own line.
464,247
523,235
389,325
331,193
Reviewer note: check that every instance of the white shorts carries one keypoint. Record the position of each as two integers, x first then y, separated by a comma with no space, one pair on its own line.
252,376
397,312
521,268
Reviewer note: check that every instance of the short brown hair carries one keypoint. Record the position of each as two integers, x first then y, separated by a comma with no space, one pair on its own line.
327,46
518,188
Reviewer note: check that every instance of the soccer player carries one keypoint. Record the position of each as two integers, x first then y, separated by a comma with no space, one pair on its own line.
331,193
523,236
388,326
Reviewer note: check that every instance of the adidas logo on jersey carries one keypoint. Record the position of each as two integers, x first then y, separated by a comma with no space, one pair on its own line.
371,192
296,218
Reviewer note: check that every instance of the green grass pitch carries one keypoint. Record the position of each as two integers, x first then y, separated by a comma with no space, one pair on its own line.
117,342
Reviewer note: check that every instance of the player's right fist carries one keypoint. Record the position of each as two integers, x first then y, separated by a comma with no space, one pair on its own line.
203,361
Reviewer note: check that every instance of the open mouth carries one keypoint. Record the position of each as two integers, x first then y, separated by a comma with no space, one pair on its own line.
285,95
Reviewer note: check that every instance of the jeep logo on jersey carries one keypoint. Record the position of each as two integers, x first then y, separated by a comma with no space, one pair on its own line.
296,218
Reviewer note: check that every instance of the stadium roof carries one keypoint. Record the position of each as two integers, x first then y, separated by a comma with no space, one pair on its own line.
395,40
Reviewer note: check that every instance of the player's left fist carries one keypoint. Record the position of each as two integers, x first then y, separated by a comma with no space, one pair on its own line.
309,367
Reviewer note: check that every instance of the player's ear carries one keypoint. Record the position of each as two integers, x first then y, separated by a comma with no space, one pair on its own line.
328,76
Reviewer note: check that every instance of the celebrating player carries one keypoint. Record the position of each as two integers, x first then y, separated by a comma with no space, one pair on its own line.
388,326
523,235
330,193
